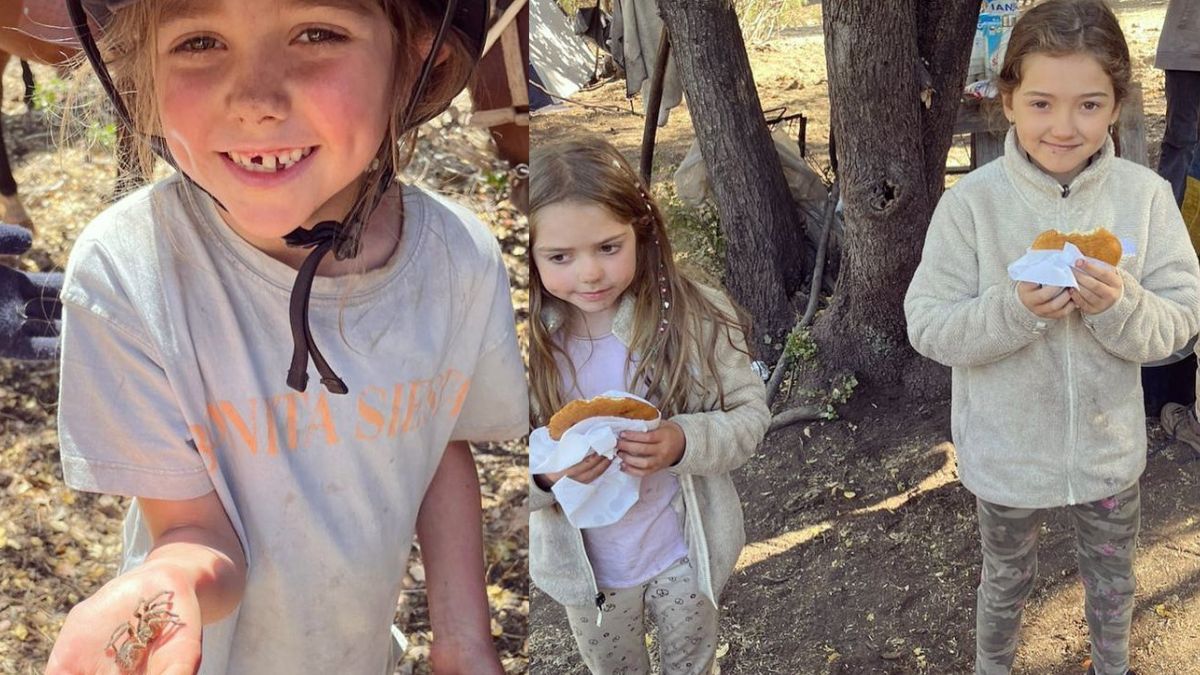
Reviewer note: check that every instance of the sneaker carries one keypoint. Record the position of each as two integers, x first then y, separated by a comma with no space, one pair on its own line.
1091,670
1180,423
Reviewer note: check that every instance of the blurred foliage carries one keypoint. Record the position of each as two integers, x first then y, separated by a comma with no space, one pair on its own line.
696,234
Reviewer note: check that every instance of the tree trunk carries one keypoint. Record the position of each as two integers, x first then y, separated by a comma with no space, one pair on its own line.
892,152
759,220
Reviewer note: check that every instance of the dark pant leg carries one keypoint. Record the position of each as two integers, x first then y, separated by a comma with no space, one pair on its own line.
1183,123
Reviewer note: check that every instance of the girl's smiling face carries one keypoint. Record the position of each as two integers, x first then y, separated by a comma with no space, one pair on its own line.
276,107
587,258
1062,109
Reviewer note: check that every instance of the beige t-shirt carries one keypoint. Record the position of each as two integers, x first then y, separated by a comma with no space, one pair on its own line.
176,345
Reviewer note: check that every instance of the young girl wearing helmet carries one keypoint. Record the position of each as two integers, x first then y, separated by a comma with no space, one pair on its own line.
272,521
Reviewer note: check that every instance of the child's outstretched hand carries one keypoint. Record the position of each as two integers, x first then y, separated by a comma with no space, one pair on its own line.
644,452
1048,302
172,645
1100,286
587,470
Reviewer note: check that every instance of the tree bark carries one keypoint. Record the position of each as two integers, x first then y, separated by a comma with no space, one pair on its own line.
892,152
759,220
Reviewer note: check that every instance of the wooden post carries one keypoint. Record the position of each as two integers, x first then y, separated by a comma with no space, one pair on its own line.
1130,134
653,103
987,134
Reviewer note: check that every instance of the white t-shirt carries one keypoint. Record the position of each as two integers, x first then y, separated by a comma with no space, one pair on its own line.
648,539
176,346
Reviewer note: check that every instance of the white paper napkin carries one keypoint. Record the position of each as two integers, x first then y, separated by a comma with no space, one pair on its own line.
604,500
1053,268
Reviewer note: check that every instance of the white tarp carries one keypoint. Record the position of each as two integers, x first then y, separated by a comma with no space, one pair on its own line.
561,60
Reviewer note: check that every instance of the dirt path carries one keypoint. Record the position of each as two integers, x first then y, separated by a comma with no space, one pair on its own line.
863,554
861,531
863,558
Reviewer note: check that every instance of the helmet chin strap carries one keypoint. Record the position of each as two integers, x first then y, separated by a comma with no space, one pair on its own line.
345,237
323,237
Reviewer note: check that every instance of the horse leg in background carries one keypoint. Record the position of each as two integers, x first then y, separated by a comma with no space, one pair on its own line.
11,210
502,101
30,85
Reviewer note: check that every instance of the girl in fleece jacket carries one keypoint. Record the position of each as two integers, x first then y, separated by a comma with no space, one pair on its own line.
1047,401
611,311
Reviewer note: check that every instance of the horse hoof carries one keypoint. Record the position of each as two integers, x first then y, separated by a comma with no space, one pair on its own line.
27,224
25,221
519,196
14,213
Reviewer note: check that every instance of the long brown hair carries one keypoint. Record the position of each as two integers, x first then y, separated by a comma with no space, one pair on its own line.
1063,27
674,358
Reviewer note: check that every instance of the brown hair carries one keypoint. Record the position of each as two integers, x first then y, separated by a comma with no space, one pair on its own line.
1063,27
675,358
127,45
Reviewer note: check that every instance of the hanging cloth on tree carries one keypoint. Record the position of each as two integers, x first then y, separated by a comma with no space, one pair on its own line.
636,30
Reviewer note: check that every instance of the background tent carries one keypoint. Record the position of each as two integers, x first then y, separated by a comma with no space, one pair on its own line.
560,62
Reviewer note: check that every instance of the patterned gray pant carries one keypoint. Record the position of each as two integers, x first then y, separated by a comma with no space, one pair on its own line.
1105,535
686,621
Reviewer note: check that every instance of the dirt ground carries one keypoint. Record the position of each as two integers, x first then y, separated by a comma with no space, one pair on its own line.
863,553
58,546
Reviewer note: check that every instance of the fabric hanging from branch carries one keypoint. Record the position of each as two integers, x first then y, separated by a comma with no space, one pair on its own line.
634,45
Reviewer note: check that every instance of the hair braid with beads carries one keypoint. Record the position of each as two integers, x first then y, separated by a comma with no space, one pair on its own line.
676,321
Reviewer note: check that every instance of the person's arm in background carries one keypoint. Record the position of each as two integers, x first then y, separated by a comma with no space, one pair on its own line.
449,527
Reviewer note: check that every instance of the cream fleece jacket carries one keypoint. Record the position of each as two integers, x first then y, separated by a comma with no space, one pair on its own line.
1047,413
717,443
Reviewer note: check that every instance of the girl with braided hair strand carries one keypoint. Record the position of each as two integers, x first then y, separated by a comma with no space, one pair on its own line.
610,310
271,525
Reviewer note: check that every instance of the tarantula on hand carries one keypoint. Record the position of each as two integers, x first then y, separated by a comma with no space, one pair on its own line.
130,640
